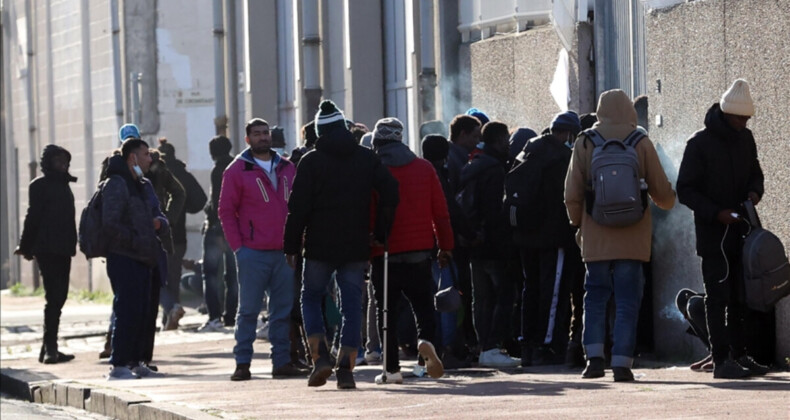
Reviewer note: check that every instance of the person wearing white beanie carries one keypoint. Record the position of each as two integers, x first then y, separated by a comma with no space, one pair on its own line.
720,170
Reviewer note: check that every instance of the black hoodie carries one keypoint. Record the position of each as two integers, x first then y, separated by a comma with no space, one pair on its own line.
330,201
719,169
487,170
50,226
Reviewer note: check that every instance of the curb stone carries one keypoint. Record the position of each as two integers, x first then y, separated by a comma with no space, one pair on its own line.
108,402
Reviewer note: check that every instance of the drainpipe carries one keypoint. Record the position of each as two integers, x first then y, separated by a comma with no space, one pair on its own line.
427,62
32,143
117,64
220,119
50,78
311,58
599,34
87,108
231,72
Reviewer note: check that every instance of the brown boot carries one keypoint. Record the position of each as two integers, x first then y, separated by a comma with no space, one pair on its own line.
322,366
107,345
344,371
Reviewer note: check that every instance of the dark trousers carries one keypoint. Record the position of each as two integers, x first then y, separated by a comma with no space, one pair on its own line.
546,300
575,268
216,254
149,324
55,271
415,282
725,303
465,335
131,284
492,302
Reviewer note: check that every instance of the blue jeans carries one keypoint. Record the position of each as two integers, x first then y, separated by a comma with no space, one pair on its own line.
447,321
215,252
624,279
350,279
264,272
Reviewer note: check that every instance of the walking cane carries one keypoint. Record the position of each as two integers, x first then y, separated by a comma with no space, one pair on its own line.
384,311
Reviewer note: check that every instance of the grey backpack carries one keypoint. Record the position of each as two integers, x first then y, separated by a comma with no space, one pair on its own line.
766,270
619,196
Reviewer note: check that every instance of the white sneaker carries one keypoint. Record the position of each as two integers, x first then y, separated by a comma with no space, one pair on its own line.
121,373
214,325
392,378
263,332
495,358
143,371
373,357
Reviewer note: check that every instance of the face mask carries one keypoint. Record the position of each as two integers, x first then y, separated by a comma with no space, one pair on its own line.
137,171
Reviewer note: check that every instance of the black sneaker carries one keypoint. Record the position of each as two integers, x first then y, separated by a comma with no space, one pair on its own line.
594,369
730,369
752,366
242,373
345,378
451,362
57,357
574,356
289,370
622,374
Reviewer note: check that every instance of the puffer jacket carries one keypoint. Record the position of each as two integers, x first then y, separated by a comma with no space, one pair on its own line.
329,210
616,120
422,220
128,213
719,169
252,209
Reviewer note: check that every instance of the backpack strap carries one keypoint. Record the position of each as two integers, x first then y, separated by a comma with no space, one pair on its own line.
633,138
595,137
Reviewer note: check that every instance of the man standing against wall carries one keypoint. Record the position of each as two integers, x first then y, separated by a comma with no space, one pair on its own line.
329,223
252,209
720,171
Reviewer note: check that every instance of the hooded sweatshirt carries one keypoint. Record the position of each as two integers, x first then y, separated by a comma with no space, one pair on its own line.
616,120
423,218
329,208
252,208
719,169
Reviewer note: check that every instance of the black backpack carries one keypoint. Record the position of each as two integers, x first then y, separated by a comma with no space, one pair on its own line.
766,270
522,191
196,198
92,240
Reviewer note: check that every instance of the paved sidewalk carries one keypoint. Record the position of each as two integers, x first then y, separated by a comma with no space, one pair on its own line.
198,366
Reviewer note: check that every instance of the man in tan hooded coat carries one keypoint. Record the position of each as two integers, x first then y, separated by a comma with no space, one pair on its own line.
613,255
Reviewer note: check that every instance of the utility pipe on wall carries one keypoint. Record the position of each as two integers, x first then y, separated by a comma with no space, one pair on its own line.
231,74
427,62
117,63
220,119
311,59
87,108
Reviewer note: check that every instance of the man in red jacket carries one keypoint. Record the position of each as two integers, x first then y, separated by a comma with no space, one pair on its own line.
253,204
420,220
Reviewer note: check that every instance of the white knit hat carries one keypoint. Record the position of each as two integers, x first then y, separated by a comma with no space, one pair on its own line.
737,100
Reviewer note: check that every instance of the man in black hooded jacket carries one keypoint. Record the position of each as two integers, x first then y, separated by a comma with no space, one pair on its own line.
719,171
329,223
50,236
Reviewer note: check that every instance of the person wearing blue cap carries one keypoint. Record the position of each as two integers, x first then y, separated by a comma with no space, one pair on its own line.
127,131
549,255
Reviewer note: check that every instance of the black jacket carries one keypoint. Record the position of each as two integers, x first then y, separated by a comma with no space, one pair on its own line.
488,172
548,223
212,218
178,220
128,213
719,169
50,226
461,226
330,201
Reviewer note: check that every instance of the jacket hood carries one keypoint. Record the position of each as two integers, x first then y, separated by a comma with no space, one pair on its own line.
246,155
339,142
616,114
479,164
117,166
715,122
395,154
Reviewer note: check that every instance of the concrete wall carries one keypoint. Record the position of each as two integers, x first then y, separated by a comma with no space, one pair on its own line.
696,50
511,75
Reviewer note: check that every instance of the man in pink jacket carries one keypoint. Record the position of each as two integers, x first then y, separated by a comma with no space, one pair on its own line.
253,204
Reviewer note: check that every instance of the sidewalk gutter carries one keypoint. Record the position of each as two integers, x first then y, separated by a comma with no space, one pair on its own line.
108,402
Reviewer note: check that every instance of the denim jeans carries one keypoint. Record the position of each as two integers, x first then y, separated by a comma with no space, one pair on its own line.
215,252
492,297
624,279
263,272
131,284
171,286
350,279
447,321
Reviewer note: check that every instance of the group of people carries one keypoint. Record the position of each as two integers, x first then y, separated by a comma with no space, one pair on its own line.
359,220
